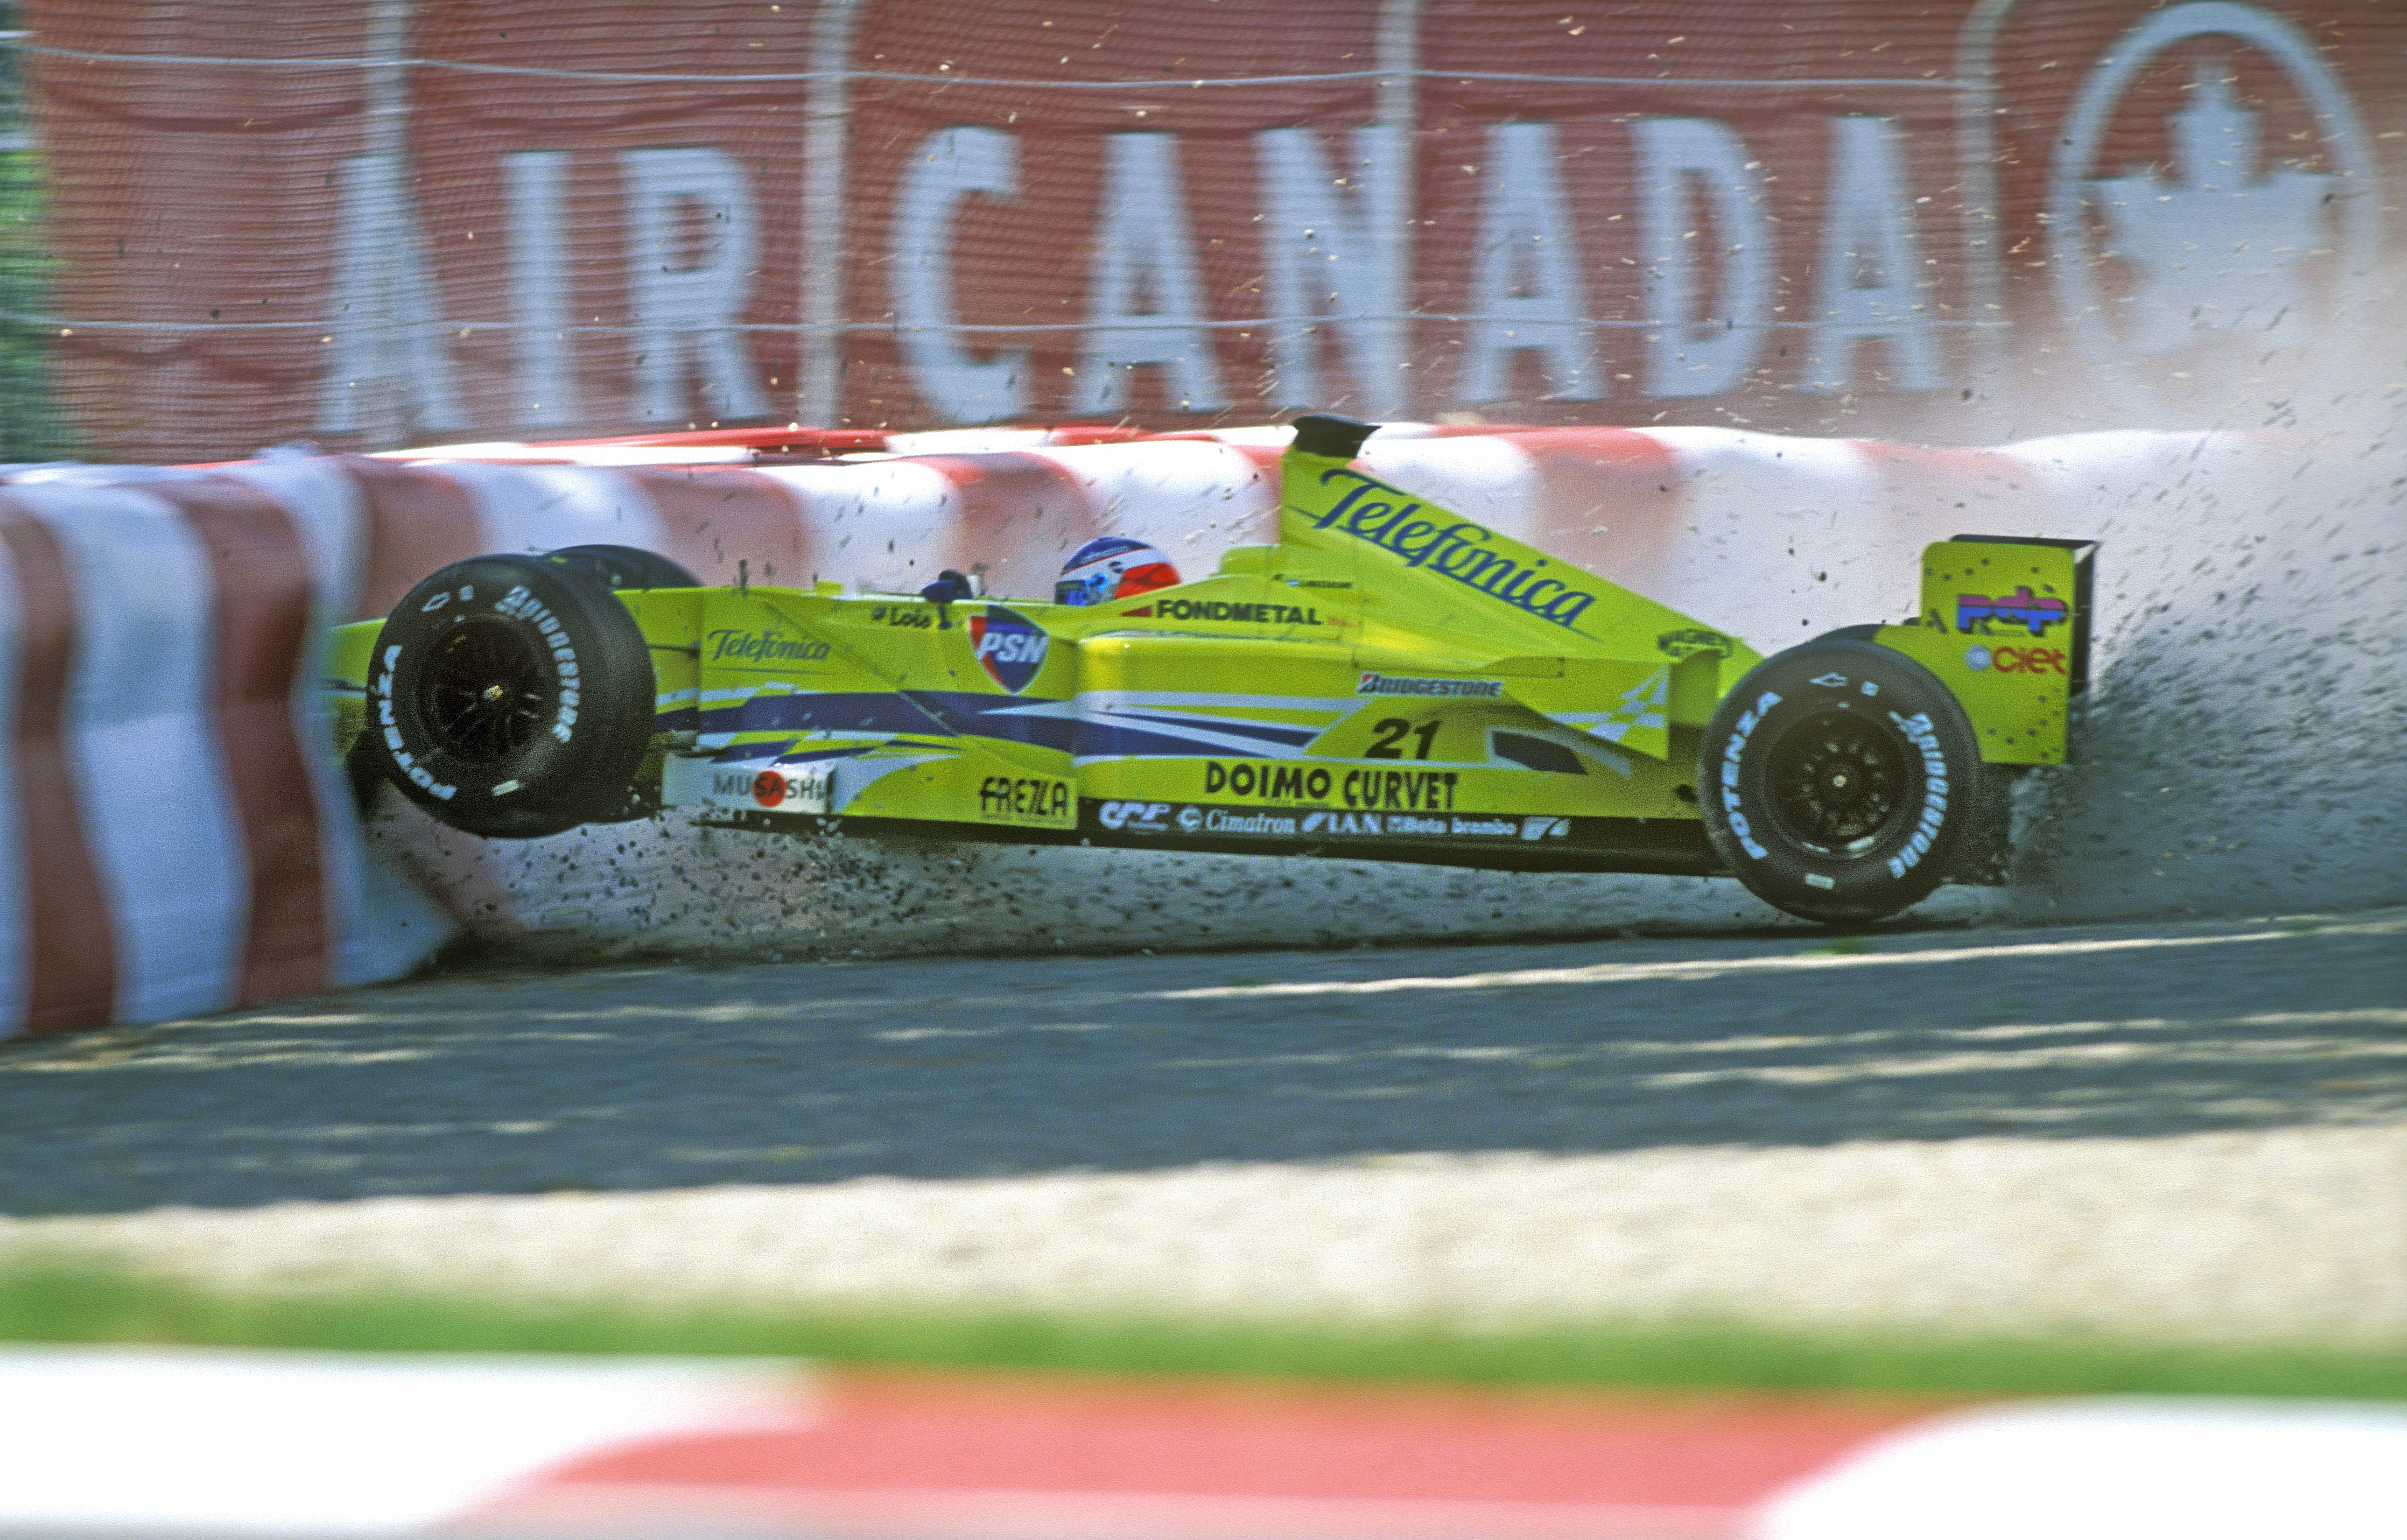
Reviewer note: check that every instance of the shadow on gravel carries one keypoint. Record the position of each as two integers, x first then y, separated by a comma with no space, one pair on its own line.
509,1078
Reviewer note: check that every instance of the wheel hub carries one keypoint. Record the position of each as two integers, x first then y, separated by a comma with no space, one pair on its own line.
1838,782
485,690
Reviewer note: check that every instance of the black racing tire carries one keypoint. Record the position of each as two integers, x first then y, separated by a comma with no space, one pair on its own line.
624,566
511,696
1839,781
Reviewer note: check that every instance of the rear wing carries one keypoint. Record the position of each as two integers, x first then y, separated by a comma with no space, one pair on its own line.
2084,554
2006,623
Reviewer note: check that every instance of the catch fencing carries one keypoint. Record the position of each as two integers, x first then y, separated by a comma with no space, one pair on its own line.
364,222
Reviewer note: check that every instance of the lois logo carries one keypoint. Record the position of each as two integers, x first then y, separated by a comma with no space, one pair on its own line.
1008,647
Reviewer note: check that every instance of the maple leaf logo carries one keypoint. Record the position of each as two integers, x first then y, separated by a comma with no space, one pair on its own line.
2218,247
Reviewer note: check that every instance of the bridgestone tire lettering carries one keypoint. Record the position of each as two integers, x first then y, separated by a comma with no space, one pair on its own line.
512,697
1848,800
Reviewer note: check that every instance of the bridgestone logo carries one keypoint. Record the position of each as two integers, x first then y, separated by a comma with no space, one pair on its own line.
1917,732
520,604
1390,684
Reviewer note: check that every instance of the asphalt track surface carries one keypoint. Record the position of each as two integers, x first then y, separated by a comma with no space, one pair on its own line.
506,1078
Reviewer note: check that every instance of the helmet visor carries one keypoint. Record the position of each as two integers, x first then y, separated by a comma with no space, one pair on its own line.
1089,587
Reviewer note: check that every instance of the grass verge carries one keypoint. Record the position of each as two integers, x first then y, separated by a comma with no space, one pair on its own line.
66,1302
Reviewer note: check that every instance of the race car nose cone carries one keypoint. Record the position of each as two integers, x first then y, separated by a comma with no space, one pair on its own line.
1338,437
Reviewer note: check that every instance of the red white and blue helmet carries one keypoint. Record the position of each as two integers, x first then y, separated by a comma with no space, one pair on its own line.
1113,567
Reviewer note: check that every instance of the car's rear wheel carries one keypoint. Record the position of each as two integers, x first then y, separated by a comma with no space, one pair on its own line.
624,566
511,696
1839,781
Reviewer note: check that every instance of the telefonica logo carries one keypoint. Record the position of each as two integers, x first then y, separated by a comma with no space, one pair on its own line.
764,647
1452,547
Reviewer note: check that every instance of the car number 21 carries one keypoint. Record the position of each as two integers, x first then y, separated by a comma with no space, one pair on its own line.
1390,733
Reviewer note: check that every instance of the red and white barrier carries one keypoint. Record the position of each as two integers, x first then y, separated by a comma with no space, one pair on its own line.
180,840
105,1442
1762,533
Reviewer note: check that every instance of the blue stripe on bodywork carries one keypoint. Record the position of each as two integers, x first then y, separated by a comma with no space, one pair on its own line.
1102,740
1004,716
881,712
957,713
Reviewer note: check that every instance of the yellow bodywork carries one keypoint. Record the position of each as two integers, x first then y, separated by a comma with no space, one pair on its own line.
2000,626
1387,676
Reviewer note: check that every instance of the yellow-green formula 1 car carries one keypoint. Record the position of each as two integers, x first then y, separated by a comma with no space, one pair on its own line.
1389,681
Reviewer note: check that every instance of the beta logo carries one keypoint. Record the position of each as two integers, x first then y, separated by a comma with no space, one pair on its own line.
1008,647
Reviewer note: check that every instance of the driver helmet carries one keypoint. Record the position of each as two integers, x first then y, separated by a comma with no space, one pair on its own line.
1113,567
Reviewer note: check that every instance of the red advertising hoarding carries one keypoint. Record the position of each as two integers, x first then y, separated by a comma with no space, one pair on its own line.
369,221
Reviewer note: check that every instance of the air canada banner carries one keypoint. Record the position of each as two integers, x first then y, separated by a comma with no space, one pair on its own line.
369,221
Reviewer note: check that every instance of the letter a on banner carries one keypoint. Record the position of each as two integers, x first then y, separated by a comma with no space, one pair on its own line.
1143,249
1868,233
387,373
1701,338
1527,296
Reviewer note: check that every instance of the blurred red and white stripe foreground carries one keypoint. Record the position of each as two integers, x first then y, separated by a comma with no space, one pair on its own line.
177,838
192,1441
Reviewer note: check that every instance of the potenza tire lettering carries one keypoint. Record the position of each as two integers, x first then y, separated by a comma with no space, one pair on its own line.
1731,811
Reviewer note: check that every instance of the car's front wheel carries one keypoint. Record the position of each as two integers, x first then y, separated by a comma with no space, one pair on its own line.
511,696
1840,780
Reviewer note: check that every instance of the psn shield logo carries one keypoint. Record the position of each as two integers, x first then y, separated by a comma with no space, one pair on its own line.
1008,647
